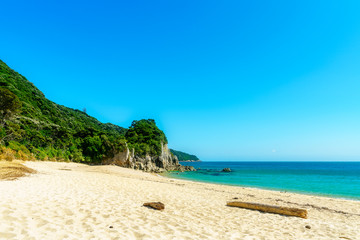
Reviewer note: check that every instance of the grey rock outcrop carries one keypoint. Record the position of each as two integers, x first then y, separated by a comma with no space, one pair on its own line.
164,162
226,170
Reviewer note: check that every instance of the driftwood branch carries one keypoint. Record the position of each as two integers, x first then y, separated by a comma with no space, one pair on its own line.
155,205
296,212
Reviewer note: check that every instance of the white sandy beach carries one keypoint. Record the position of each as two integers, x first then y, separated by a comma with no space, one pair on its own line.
76,201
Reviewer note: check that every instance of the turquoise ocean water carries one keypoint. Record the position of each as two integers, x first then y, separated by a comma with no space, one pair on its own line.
335,179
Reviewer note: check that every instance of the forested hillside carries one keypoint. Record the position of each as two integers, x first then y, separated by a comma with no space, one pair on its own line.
35,127
184,156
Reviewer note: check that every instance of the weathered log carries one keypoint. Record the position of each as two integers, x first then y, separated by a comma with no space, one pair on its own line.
296,212
155,205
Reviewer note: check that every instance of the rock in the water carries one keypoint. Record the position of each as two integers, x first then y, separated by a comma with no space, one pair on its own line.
155,205
226,170
190,168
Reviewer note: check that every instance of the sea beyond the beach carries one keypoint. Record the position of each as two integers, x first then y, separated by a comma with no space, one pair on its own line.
333,179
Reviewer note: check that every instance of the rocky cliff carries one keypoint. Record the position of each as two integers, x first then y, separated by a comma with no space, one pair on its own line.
164,162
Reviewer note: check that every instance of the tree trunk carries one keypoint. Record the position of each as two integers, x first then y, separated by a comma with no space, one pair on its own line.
297,212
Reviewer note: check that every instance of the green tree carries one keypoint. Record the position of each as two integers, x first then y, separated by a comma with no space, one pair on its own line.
145,137
9,104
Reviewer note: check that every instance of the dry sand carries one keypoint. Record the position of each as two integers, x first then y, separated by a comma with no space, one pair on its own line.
75,201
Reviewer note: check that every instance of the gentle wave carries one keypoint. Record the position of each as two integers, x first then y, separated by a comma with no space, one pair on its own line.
335,179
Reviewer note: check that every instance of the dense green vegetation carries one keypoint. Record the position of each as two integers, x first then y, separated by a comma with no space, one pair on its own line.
184,156
145,137
33,125
9,104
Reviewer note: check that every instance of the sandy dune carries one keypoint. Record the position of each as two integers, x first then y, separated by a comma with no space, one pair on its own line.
75,201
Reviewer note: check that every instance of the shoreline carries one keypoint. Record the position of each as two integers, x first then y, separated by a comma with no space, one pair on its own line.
356,199
328,179
71,200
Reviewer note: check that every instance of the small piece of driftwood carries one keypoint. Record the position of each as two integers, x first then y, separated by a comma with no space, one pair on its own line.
296,212
155,205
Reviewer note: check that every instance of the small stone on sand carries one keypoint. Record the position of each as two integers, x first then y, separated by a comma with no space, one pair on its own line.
155,205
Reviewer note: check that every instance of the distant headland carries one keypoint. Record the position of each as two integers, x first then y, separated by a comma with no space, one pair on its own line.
185,157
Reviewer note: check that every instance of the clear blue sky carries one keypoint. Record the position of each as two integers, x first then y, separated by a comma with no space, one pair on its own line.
225,80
